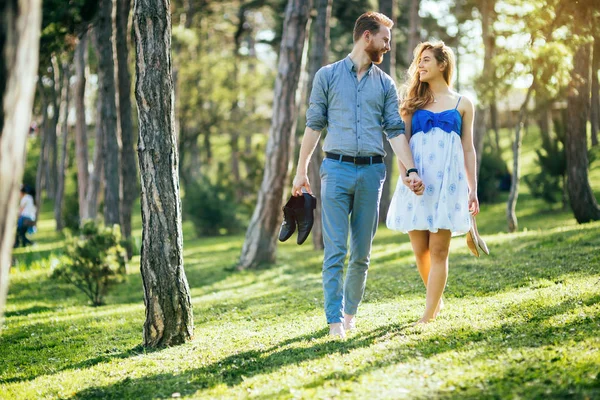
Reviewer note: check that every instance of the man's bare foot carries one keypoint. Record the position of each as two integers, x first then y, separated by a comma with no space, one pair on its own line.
337,330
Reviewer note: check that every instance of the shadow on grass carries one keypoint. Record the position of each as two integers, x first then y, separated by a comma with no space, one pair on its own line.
134,351
232,370
28,311
492,343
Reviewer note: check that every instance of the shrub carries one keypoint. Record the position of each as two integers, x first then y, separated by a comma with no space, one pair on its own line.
211,207
96,261
493,173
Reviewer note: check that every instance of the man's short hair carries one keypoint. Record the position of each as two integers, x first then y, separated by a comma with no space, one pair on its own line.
370,21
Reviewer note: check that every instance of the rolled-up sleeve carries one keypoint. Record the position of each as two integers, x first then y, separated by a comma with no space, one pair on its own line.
392,122
316,115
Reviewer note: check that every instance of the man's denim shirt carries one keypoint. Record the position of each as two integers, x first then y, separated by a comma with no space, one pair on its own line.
354,113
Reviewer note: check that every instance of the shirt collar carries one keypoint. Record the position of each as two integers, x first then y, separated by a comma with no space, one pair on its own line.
352,68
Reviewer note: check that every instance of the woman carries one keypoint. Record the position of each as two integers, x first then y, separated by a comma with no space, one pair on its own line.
27,211
439,125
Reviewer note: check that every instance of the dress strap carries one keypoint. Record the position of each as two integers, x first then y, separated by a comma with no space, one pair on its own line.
458,102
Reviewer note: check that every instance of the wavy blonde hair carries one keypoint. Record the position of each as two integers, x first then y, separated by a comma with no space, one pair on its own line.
418,94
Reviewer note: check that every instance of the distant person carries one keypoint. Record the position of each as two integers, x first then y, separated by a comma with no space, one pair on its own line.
439,125
27,212
357,102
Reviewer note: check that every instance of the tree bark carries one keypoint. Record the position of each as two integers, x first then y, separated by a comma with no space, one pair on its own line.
319,50
95,179
413,29
584,204
169,318
494,125
64,157
479,130
388,7
81,141
103,35
52,139
595,108
128,162
260,244
43,161
19,45
511,204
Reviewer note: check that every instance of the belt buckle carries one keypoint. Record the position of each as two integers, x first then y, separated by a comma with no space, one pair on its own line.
354,160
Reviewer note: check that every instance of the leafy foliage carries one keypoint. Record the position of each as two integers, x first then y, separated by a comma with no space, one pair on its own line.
211,206
493,173
96,261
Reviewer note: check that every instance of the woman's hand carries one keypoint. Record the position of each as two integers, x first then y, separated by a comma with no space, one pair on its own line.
473,203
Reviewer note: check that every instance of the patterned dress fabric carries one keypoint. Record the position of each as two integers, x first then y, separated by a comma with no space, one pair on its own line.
438,154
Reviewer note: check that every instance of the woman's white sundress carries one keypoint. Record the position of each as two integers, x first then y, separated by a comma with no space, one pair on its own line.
438,154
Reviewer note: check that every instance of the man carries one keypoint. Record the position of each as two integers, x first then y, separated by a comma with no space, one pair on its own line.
356,101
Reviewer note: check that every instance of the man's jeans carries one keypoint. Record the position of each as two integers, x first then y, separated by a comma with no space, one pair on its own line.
350,197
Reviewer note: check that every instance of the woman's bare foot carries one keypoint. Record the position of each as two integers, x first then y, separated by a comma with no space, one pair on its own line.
439,308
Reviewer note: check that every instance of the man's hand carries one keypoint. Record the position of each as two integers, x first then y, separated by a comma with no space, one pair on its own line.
300,181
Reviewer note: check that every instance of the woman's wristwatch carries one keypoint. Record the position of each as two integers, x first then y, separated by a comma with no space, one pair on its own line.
412,170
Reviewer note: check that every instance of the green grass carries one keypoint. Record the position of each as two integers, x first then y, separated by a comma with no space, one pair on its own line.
521,323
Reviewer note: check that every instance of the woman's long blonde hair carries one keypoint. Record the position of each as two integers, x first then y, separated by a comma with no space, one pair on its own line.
418,94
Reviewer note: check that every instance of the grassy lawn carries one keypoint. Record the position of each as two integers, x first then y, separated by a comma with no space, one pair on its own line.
521,323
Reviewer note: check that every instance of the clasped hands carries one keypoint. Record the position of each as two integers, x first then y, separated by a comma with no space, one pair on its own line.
414,183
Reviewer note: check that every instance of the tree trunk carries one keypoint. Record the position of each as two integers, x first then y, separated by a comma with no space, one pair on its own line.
584,204
388,7
511,204
52,140
413,29
128,162
19,45
479,130
319,49
81,141
545,124
95,179
260,244
64,157
169,318
494,125
43,161
103,36
595,109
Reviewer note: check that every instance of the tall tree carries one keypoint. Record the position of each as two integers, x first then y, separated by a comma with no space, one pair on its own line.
103,36
595,105
414,36
128,163
261,238
388,7
169,318
584,204
64,156
319,50
19,45
81,140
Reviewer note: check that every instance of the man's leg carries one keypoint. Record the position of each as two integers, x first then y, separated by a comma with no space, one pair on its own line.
335,205
363,225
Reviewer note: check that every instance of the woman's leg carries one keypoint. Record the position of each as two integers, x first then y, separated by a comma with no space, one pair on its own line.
420,245
439,244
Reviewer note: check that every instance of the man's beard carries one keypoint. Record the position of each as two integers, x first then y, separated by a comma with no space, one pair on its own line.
376,55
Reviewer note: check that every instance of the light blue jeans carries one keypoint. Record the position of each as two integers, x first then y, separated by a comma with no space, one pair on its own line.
350,197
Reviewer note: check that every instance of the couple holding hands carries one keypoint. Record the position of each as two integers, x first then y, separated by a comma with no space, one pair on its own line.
431,133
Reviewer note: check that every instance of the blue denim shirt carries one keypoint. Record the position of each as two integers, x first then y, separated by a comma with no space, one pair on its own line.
355,113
